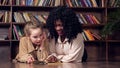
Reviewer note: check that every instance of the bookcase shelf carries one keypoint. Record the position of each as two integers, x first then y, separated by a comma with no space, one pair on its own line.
3,24
28,8
4,41
95,41
113,41
98,49
92,25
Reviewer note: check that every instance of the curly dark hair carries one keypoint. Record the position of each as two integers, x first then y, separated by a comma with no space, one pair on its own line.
71,24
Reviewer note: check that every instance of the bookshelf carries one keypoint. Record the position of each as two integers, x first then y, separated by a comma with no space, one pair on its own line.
93,15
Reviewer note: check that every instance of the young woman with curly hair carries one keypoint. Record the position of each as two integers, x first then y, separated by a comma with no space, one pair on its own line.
66,40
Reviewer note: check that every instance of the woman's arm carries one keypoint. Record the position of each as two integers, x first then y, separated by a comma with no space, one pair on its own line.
76,51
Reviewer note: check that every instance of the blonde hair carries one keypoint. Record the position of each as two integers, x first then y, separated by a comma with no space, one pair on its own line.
31,25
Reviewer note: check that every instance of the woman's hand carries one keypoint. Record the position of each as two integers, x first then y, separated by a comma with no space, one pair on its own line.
52,59
30,60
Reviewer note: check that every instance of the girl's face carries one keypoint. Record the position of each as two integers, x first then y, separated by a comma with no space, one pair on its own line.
59,28
36,36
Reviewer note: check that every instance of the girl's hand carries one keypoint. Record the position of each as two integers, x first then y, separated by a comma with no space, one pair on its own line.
43,40
44,37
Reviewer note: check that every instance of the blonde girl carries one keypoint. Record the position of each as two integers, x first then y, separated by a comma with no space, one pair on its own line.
33,46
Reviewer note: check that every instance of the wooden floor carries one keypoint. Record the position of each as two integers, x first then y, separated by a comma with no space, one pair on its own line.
62,65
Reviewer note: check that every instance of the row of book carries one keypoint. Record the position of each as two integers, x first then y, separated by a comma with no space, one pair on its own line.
91,34
17,32
38,2
22,17
4,32
88,34
92,3
5,16
4,2
113,3
88,19
25,17
69,3
85,3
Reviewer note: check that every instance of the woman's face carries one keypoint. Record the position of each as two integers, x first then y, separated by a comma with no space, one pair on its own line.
36,36
59,28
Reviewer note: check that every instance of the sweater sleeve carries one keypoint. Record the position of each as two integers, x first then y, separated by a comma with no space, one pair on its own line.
23,54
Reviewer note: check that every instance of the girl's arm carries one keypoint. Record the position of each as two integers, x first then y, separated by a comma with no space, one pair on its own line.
23,55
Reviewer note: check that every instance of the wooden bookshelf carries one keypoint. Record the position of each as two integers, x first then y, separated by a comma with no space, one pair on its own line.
98,49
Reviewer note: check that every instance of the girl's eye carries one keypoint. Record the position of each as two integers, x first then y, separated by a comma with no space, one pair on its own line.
35,36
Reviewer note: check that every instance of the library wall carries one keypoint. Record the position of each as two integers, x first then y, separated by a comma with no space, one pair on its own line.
92,14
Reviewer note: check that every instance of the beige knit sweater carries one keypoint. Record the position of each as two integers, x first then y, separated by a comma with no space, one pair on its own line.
26,49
